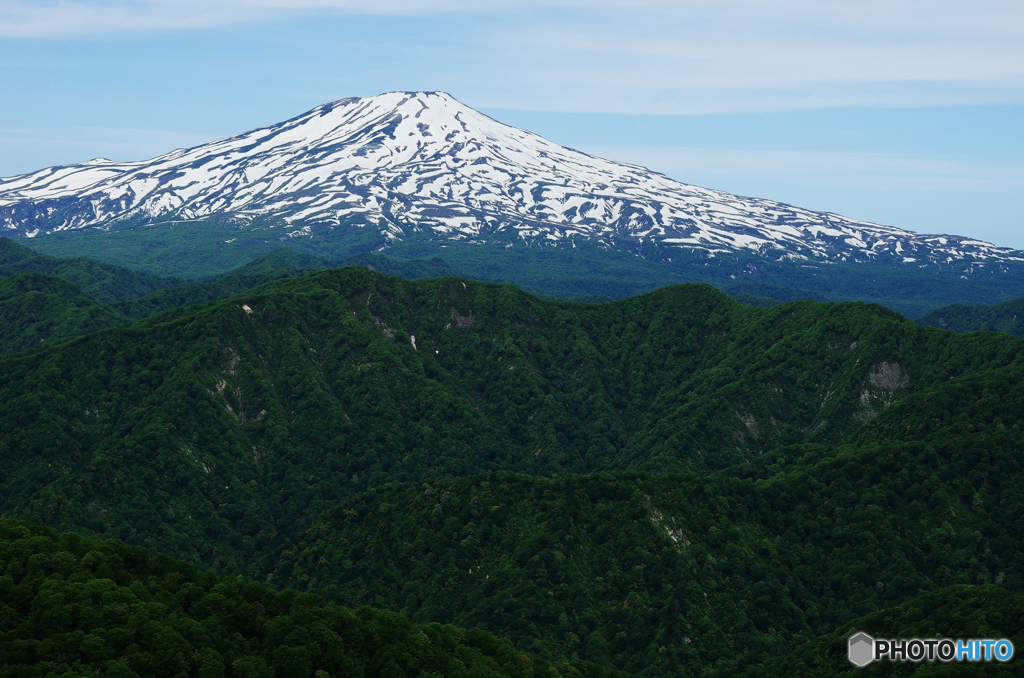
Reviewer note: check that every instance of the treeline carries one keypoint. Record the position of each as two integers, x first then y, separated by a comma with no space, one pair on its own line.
71,606
196,249
106,282
206,431
36,309
1007,316
39,303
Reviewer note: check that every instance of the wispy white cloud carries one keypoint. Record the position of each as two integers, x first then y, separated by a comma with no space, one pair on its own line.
706,21
30,18
691,57
682,56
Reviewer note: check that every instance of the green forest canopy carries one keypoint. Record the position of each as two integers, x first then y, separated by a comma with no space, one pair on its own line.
71,606
667,484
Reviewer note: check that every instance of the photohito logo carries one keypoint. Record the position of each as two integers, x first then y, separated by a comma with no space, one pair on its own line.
862,649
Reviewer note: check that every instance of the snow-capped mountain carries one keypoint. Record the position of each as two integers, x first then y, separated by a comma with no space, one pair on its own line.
424,164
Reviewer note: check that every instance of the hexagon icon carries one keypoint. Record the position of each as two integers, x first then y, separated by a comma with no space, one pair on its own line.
861,648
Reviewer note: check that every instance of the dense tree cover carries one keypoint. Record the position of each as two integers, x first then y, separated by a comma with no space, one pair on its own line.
104,281
281,257
71,606
771,293
416,269
37,308
755,477
205,250
589,268
225,287
1007,316
293,259
206,431
674,574
193,250
184,250
957,612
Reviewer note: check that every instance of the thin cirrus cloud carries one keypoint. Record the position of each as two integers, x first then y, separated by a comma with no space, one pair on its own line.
21,18
684,56
693,57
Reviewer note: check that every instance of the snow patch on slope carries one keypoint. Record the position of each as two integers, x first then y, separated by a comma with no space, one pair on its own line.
424,160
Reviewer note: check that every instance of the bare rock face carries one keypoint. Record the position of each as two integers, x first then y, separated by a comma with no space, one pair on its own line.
888,376
883,381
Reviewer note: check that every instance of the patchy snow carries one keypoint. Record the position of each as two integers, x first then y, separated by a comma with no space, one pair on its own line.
418,158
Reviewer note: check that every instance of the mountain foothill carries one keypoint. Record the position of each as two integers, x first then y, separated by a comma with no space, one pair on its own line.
670,484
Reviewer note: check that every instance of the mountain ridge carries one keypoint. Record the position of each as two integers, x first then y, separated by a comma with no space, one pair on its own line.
405,166
39,303
352,379
1006,316
667,484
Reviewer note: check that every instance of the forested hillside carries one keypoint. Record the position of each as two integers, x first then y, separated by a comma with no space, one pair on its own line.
206,431
1007,316
953,612
106,282
71,606
37,307
665,574
669,484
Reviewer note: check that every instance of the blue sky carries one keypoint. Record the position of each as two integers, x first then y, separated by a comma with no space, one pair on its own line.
907,113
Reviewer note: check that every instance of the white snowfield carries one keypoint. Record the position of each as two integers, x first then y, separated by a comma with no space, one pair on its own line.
424,163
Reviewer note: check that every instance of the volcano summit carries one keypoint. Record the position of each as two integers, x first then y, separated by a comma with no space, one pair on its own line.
422,164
